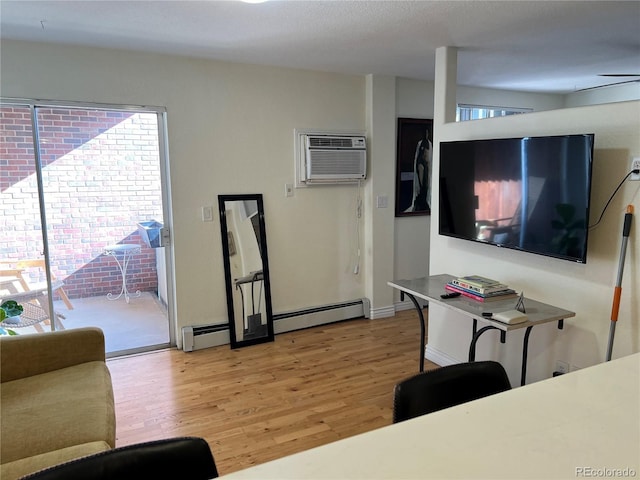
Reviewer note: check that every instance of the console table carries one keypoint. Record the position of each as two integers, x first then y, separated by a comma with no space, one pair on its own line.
430,289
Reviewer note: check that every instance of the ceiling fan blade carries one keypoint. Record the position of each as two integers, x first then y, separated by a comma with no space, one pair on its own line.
619,75
610,84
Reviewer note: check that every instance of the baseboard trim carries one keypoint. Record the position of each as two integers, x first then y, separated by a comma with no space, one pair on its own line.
408,305
383,312
313,317
206,336
191,342
439,357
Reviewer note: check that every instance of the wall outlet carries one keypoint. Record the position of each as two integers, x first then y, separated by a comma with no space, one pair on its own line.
561,367
288,190
635,165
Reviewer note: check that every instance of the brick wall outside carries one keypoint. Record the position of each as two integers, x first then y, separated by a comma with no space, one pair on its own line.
101,177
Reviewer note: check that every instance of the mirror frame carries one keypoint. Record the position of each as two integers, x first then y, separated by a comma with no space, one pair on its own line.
269,337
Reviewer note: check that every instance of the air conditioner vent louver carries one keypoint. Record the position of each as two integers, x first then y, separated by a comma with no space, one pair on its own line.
334,158
327,163
331,142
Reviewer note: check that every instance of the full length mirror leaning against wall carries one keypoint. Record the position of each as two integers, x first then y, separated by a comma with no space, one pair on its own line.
246,269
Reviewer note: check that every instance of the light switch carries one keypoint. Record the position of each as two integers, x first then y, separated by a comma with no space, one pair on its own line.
382,201
207,214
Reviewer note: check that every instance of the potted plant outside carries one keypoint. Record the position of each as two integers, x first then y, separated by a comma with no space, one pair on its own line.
9,309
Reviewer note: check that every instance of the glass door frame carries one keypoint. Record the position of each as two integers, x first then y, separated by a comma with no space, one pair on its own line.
163,152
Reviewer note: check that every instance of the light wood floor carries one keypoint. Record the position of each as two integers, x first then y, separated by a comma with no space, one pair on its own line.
263,402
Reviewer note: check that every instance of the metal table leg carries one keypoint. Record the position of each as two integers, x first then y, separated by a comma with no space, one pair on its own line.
476,335
525,351
422,328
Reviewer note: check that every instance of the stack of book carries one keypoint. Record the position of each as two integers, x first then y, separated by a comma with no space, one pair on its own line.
481,289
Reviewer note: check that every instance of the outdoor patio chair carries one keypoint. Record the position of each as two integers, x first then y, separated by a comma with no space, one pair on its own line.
19,269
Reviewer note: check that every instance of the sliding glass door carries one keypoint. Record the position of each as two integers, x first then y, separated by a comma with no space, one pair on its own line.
83,216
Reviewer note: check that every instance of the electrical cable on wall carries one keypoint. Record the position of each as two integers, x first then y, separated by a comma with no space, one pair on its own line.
356,269
611,198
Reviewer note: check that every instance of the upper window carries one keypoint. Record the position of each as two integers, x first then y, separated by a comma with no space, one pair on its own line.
476,112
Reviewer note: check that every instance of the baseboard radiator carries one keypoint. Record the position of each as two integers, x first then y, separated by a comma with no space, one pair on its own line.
205,336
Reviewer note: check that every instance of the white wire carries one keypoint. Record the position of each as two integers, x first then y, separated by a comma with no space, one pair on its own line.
356,269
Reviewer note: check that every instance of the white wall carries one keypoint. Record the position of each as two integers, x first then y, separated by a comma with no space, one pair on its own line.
586,289
230,130
508,98
618,93
547,101
414,99
379,237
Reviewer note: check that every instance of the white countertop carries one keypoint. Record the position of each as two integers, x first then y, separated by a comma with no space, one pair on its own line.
588,419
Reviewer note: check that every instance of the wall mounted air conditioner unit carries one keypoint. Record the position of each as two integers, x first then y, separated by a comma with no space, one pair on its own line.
333,158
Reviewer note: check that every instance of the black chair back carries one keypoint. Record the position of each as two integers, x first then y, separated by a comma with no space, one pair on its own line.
447,386
182,457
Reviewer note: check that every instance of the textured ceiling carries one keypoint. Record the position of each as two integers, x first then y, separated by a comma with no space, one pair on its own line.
547,46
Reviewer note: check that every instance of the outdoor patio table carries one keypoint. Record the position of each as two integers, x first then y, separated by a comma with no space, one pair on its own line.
123,254
35,304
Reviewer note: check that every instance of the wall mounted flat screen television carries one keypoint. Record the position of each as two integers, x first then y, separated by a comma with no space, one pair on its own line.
530,194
